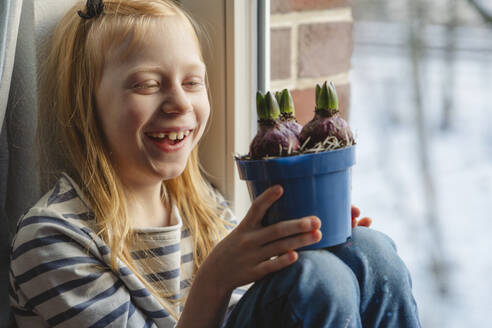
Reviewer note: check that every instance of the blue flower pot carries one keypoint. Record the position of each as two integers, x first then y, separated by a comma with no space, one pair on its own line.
314,184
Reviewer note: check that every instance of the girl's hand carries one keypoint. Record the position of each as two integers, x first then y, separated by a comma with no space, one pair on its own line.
245,255
364,222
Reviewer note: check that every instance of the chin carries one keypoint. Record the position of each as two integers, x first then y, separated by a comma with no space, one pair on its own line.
170,173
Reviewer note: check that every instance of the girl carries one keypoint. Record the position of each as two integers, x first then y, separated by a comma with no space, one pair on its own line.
131,235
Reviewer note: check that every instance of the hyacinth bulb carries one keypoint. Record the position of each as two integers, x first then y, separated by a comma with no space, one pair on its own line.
272,138
327,121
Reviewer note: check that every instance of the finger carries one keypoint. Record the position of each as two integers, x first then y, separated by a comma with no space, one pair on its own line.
261,204
365,222
283,245
272,265
355,212
286,228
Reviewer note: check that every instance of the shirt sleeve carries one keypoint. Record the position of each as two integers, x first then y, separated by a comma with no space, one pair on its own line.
58,278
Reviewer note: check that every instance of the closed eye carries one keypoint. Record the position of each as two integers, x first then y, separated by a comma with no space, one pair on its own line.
194,84
147,87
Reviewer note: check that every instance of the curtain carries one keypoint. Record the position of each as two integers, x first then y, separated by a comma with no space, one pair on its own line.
18,182
25,28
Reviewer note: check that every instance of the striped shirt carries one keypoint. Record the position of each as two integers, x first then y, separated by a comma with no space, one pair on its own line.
60,271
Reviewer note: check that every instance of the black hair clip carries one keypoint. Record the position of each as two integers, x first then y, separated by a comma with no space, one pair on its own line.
94,9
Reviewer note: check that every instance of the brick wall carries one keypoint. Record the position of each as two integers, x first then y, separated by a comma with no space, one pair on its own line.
311,41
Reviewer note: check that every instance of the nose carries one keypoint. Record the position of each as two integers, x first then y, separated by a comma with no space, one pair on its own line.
176,101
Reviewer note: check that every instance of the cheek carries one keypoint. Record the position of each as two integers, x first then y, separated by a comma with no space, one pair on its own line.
120,123
206,117
203,115
202,118
131,118
126,118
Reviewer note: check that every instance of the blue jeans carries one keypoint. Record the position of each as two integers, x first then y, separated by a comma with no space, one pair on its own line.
361,283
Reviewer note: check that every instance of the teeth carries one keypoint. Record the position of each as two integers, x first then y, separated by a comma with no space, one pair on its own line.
157,135
172,135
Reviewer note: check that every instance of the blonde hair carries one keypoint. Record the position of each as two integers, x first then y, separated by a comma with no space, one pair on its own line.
70,138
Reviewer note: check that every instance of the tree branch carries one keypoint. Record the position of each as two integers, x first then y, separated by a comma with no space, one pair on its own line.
486,15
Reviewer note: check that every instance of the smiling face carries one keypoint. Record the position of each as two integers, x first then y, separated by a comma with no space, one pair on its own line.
152,103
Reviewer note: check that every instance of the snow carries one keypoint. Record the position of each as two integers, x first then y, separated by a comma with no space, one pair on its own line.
387,181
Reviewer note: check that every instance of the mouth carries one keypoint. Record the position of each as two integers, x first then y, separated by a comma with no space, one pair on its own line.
172,138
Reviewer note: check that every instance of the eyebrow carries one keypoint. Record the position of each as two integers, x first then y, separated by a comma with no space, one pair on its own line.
158,69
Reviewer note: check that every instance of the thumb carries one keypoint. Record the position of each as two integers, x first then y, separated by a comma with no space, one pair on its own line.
261,204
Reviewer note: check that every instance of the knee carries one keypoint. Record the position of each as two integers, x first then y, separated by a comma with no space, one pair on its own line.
368,238
386,285
375,254
319,275
318,290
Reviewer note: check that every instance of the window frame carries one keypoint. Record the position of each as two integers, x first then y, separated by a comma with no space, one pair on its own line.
232,64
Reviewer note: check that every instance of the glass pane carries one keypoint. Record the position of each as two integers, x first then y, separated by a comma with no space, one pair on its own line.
413,78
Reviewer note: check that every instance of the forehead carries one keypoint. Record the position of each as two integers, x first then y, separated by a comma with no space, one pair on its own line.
169,39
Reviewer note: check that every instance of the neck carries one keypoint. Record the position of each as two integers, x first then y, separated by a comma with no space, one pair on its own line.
145,206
